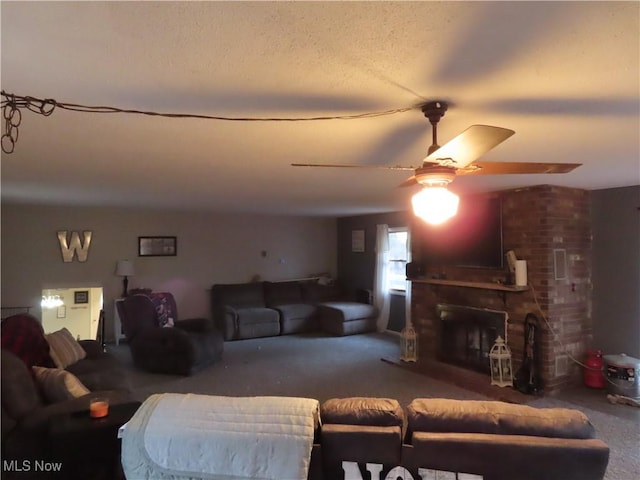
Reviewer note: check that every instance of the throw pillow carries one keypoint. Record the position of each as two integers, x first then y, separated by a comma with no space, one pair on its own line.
58,385
23,335
64,349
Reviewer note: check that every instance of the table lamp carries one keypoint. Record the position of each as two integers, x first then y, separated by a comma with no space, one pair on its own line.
124,269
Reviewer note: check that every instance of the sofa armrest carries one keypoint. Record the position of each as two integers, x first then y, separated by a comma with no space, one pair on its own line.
40,418
92,347
364,295
161,339
30,436
229,322
231,311
196,325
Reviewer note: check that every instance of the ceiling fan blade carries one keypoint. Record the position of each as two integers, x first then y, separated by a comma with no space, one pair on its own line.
470,145
501,168
330,165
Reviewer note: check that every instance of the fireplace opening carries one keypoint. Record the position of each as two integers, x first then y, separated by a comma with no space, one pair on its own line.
466,335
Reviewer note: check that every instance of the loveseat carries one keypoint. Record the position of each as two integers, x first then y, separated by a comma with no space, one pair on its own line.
31,402
262,309
365,438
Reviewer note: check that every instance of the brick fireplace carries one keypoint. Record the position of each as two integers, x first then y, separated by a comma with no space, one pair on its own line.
549,227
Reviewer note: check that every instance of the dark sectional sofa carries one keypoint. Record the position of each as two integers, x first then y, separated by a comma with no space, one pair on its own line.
263,309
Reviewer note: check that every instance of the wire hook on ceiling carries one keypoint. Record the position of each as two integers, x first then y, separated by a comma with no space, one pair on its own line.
12,104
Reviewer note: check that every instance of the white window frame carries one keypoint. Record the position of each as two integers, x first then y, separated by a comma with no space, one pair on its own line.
398,291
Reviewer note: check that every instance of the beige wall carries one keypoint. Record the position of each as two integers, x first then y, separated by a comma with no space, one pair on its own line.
212,248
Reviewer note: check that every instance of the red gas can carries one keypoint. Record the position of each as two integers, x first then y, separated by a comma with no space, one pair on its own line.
593,371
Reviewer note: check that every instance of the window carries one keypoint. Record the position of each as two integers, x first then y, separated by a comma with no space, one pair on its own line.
398,255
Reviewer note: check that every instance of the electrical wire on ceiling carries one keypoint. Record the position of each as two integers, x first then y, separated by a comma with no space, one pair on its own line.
12,105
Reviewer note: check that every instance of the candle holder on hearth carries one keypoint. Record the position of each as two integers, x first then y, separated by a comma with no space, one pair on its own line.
409,351
500,360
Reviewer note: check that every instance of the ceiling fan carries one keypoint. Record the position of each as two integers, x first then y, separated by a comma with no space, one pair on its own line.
457,157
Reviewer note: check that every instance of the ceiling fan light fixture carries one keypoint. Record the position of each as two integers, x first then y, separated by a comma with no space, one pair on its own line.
435,204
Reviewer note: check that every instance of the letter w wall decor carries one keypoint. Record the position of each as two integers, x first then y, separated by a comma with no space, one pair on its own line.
74,247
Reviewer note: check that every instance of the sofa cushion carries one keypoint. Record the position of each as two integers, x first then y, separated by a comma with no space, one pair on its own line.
256,315
372,411
65,350
239,295
58,385
347,311
282,293
103,372
480,416
296,311
314,292
257,322
19,393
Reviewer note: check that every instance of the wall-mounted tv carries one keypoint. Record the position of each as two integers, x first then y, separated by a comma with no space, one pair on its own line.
473,238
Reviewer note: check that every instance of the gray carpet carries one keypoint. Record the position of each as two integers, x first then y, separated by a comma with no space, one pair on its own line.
322,367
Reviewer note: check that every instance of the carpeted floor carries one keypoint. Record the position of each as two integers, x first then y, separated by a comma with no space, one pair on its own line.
323,367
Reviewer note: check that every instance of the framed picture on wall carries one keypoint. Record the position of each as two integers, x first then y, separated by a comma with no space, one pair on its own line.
81,296
157,246
357,240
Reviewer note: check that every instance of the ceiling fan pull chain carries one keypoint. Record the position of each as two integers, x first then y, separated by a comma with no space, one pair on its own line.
12,118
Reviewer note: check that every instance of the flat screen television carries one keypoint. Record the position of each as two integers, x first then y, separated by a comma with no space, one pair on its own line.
473,238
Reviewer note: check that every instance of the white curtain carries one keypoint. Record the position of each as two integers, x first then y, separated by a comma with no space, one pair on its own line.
381,294
407,295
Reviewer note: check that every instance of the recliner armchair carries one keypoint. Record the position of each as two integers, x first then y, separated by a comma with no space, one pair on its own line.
160,343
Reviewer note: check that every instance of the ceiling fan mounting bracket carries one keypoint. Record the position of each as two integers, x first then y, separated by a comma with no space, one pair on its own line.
434,111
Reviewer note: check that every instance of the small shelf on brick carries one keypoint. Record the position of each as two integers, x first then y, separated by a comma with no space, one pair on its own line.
483,285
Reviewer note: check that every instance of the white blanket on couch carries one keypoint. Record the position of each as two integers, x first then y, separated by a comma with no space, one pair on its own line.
175,436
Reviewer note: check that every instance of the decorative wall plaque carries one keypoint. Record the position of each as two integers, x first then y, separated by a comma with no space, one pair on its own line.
74,247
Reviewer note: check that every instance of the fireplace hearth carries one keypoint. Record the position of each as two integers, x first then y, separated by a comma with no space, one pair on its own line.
466,335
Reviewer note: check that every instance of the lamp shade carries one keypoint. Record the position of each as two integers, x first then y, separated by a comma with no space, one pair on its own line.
435,204
124,268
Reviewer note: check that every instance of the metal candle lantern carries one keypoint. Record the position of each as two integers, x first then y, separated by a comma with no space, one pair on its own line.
409,344
500,358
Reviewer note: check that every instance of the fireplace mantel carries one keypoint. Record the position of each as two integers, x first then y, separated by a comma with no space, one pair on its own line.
484,285
501,288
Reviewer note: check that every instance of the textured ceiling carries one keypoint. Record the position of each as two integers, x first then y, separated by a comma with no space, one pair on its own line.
564,76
